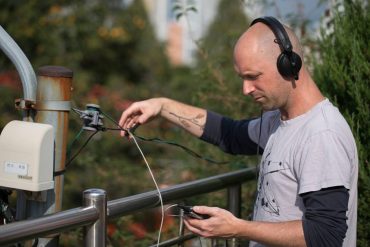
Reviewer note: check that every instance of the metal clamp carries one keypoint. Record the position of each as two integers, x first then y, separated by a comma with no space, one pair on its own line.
24,104
53,105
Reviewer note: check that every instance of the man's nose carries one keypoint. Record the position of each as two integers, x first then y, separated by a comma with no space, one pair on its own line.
248,87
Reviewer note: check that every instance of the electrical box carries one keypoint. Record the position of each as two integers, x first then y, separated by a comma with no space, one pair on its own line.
27,156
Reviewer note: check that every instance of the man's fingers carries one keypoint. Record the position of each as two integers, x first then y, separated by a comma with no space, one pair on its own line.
191,228
205,210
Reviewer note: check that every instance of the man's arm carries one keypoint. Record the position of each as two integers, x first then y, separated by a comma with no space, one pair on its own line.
324,223
229,135
188,117
325,216
222,224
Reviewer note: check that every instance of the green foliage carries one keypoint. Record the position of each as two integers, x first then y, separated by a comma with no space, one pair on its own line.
219,88
343,74
116,58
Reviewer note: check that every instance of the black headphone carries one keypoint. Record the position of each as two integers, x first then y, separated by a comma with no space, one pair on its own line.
288,63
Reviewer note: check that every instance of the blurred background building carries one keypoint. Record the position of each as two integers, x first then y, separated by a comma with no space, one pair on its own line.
179,33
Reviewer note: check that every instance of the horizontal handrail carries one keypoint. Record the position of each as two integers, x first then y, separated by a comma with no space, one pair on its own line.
49,224
77,217
128,205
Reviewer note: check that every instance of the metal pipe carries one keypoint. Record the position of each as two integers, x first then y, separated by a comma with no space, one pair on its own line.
50,224
22,64
95,234
234,199
74,218
52,105
134,203
181,227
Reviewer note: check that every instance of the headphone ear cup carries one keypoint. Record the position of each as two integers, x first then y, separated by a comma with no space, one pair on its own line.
283,65
296,64
289,65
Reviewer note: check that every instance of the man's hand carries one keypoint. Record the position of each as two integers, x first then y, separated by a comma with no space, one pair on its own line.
139,113
221,224
191,118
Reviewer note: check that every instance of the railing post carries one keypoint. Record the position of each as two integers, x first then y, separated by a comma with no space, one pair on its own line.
95,234
234,195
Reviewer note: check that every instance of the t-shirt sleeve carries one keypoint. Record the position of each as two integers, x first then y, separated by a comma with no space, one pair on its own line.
323,163
228,134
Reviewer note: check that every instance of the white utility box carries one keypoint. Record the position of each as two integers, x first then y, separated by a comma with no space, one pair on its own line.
27,156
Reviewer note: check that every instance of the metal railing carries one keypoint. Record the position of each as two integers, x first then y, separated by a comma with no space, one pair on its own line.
96,210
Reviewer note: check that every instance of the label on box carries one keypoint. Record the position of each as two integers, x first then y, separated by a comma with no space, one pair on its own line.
16,168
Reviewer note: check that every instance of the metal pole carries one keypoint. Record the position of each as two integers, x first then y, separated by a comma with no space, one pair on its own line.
182,227
95,234
234,196
23,65
53,106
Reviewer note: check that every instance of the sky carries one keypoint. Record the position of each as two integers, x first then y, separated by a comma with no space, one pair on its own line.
311,9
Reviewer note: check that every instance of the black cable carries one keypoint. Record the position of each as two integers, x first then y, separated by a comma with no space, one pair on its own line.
258,145
82,147
58,173
158,140
186,149
68,154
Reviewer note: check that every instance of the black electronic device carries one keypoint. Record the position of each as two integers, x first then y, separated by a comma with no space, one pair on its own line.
188,211
288,63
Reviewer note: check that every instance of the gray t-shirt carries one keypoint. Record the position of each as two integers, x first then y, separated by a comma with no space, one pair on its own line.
313,151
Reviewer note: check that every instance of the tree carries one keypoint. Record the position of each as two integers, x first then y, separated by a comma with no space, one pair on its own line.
115,57
343,73
218,86
215,63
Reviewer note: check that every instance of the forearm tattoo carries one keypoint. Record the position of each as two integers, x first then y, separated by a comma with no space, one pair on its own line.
186,121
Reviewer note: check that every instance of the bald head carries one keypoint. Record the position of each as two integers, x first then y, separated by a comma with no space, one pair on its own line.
259,42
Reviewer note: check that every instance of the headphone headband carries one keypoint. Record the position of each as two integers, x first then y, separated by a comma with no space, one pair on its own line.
279,31
288,63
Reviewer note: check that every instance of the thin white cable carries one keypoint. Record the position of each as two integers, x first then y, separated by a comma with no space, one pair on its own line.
156,185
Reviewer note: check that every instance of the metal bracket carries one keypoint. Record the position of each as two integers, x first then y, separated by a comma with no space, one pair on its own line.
24,104
53,105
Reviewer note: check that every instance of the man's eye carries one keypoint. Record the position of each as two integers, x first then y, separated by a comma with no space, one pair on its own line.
250,77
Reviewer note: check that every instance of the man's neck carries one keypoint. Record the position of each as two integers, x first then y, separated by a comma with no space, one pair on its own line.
302,99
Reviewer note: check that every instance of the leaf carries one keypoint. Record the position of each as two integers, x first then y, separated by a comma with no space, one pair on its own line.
192,8
178,16
177,8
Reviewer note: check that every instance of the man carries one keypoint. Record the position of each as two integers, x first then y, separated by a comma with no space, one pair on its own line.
307,187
